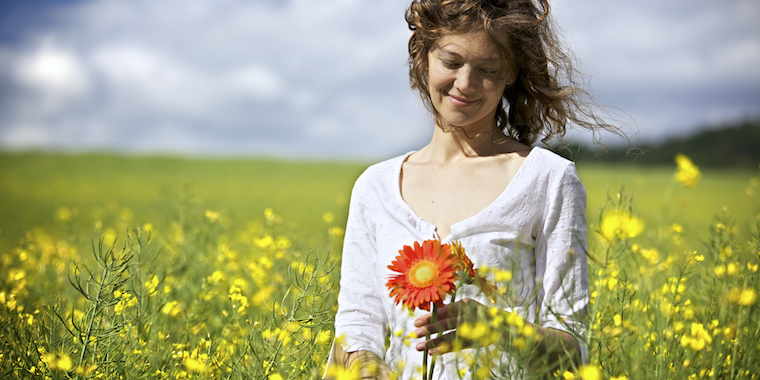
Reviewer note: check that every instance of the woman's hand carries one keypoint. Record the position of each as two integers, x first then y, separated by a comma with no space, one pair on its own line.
555,345
370,365
449,317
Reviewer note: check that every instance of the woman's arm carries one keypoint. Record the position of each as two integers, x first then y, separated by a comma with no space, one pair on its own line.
360,322
370,365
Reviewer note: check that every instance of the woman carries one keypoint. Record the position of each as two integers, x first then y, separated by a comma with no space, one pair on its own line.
489,72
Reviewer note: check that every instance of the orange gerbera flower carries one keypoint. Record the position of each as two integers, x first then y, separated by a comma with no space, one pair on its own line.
463,263
470,273
426,275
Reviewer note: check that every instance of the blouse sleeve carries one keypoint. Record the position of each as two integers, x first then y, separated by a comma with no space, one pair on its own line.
361,322
561,262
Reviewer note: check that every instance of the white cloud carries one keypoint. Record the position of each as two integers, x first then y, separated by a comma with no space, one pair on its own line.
303,77
257,81
155,81
671,66
25,136
52,69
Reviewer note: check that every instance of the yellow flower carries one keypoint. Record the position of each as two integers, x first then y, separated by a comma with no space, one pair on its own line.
264,242
283,242
323,337
468,331
151,285
335,231
687,174
650,254
620,224
698,339
171,308
195,365
515,320
744,297
502,275
119,308
49,359
64,362
528,330
590,372
212,216
63,214
339,373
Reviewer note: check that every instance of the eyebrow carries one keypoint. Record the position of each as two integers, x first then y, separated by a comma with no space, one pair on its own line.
493,58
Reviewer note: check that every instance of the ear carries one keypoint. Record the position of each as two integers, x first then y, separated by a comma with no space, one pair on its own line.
511,75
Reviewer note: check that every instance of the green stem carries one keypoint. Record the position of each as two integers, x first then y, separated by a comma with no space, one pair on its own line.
95,309
425,359
433,320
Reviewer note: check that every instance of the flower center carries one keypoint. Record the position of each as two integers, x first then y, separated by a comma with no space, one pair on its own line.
423,273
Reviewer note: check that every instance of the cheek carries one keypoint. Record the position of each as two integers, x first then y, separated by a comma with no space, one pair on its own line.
436,79
494,86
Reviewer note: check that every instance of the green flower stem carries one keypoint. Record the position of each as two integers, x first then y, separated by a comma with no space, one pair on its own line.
433,320
425,359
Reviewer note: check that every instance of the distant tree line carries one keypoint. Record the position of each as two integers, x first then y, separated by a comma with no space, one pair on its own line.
734,145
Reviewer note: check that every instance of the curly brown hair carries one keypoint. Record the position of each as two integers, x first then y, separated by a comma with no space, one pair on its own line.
538,105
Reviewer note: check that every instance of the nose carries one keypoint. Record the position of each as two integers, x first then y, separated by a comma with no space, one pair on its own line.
465,81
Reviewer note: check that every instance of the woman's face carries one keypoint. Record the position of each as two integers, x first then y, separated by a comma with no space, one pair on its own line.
466,79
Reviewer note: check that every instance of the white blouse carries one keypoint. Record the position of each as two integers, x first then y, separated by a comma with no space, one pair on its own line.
536,229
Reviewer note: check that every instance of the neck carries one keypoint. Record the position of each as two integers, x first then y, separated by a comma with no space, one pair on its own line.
455,143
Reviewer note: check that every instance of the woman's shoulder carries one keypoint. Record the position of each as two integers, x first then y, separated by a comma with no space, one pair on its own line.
549,172
549,158
544,162
388,165
382,174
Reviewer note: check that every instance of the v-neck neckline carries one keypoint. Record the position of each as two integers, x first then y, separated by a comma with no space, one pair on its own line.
453,228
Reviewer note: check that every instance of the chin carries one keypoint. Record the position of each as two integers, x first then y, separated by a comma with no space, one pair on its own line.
461,122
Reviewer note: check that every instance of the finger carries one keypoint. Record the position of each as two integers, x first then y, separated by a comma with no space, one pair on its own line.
453,317
445,312
462,306
439,326
443,344
423,320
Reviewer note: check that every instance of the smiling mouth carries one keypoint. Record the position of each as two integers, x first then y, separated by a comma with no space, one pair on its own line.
459,102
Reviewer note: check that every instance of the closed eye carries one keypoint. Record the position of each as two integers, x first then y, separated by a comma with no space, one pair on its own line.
450,64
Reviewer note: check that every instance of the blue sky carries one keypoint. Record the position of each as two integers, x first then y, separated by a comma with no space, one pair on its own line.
305,78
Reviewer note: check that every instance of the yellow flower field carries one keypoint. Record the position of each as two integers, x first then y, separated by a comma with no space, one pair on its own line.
124,282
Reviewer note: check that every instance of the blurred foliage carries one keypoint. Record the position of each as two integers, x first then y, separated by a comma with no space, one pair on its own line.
155,267
729,146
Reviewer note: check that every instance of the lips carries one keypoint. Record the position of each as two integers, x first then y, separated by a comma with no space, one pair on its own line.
460,102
